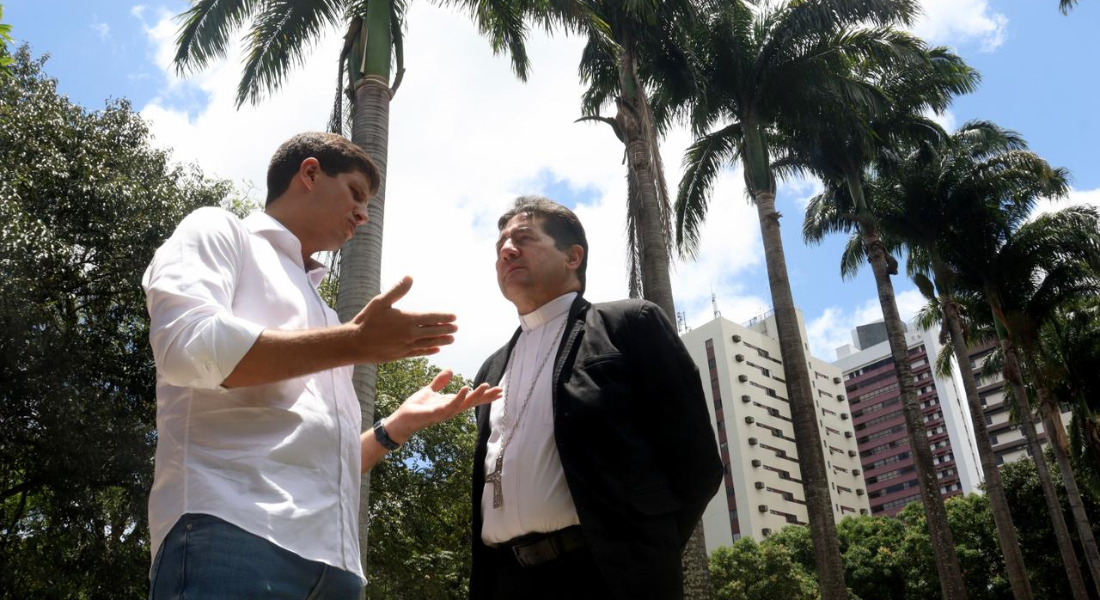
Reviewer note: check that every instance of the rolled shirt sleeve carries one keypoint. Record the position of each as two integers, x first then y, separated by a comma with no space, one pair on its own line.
189,286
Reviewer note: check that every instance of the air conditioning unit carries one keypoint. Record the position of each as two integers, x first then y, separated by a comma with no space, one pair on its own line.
766,531
743,378
745,397
762,508
851,453
752,441
836,380
736,338
739,357
860,492
750,420
756,462
863,511
759,485
843,416
847,434
855,471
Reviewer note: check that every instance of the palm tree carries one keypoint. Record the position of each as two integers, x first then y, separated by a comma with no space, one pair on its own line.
279,33
763,68
957,207
1043,265
634,48
840,152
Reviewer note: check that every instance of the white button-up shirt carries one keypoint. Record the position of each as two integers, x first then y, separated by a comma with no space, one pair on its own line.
536,495
281,461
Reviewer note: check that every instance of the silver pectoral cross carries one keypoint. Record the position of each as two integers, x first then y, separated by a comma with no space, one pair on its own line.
494,478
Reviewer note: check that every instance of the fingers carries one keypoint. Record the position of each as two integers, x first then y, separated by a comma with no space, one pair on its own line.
441,380
436,330
483,395
395,293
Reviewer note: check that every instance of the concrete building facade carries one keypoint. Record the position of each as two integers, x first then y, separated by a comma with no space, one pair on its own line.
873,389
745,385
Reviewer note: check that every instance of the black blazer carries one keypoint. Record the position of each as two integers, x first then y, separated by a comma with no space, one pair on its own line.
635,440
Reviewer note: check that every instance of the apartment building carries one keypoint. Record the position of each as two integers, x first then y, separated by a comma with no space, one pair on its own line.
873,389
745,385
1005,436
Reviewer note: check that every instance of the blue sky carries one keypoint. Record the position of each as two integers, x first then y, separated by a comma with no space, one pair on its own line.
465,137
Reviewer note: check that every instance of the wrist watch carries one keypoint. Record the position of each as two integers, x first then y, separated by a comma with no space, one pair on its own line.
383,437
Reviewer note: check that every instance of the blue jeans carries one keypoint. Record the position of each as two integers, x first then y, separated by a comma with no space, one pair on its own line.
208,558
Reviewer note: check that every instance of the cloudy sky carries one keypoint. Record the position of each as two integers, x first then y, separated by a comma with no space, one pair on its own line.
466,137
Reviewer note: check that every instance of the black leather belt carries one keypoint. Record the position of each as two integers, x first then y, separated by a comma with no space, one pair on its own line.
537,548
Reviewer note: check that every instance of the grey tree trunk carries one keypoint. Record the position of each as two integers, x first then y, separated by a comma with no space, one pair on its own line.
943,543
361,256
635,124
994,488
1052,419
811,458
1054,507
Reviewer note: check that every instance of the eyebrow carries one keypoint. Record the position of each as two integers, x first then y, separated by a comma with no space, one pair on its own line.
519,229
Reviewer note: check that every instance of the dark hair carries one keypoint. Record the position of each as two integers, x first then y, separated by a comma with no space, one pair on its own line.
335,153
558,222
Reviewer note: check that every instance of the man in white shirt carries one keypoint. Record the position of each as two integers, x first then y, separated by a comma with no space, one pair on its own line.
592,472
259,451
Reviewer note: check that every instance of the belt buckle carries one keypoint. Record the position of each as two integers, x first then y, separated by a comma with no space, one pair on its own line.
535,553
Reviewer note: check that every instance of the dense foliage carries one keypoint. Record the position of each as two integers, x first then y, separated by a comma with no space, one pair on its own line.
891,558
84,202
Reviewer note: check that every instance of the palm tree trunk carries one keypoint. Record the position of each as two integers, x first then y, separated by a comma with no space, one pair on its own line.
994,488
1052,421
652,226
819,506
361,256
1054,507
939,532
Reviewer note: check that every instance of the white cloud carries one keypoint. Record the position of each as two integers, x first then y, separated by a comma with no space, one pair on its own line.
833,327
1076,198
465,139
946,120
958,22
103,30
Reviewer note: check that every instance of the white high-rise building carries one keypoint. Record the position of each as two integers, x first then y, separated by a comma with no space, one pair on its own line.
746,390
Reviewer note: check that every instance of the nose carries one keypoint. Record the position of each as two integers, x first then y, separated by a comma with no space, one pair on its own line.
360,216
508,251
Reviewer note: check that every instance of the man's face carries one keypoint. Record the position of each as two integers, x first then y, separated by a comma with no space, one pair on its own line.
341,207
531,270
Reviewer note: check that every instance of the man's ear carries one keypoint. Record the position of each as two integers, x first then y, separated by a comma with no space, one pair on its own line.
575,255
308,172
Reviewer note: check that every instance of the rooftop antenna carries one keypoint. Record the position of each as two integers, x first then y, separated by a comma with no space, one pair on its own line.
682,322
714,304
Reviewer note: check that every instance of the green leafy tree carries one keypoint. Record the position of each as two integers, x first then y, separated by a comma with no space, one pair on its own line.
420,509
759,571
5,39
762,69
85,200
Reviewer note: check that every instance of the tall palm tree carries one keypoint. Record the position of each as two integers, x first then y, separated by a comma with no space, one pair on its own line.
956,205
279,32
1043,265
840,152
635,49
762,68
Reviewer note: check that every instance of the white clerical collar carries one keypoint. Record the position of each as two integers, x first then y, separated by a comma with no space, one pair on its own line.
547,312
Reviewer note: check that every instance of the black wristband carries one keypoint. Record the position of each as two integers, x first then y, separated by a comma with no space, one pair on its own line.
383,437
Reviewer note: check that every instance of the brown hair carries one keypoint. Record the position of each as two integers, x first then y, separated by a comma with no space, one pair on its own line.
558,222
335,153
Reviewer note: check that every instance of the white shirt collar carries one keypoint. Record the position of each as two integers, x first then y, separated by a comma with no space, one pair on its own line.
547,312
282,238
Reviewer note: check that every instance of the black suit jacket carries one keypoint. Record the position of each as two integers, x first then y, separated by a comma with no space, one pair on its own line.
635,440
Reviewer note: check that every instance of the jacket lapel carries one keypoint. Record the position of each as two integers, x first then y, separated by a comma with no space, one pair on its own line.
570,337
493,375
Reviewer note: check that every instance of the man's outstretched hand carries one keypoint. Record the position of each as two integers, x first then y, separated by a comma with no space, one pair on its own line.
428,406
385,333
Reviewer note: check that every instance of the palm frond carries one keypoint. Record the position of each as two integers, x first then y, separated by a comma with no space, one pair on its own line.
853,257
204,31
281,35
702,163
